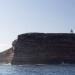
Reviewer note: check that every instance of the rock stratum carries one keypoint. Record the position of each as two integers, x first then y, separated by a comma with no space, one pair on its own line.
42,48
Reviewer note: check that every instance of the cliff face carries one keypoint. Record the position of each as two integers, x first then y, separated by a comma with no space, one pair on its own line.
40,48
6,56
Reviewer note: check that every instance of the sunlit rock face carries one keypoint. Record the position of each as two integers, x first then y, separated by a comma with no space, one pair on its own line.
44,48
6,56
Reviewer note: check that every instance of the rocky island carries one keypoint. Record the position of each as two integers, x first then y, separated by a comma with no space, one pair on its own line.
43,48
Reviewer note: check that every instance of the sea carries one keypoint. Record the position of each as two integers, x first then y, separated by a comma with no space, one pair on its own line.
38,69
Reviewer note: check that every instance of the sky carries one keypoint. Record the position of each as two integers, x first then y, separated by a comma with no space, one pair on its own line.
24,16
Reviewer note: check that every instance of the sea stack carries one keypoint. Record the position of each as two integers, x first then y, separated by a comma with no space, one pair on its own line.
44,48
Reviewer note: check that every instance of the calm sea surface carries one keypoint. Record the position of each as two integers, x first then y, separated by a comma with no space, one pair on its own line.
37,69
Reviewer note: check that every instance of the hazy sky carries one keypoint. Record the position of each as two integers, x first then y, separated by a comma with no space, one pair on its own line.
22,16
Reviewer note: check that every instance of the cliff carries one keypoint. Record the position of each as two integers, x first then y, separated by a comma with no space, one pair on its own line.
44,48
6,56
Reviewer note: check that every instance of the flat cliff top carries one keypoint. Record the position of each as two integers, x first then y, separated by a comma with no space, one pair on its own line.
47,35
55,37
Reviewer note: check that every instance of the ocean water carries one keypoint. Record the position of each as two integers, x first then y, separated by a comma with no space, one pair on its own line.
37,69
